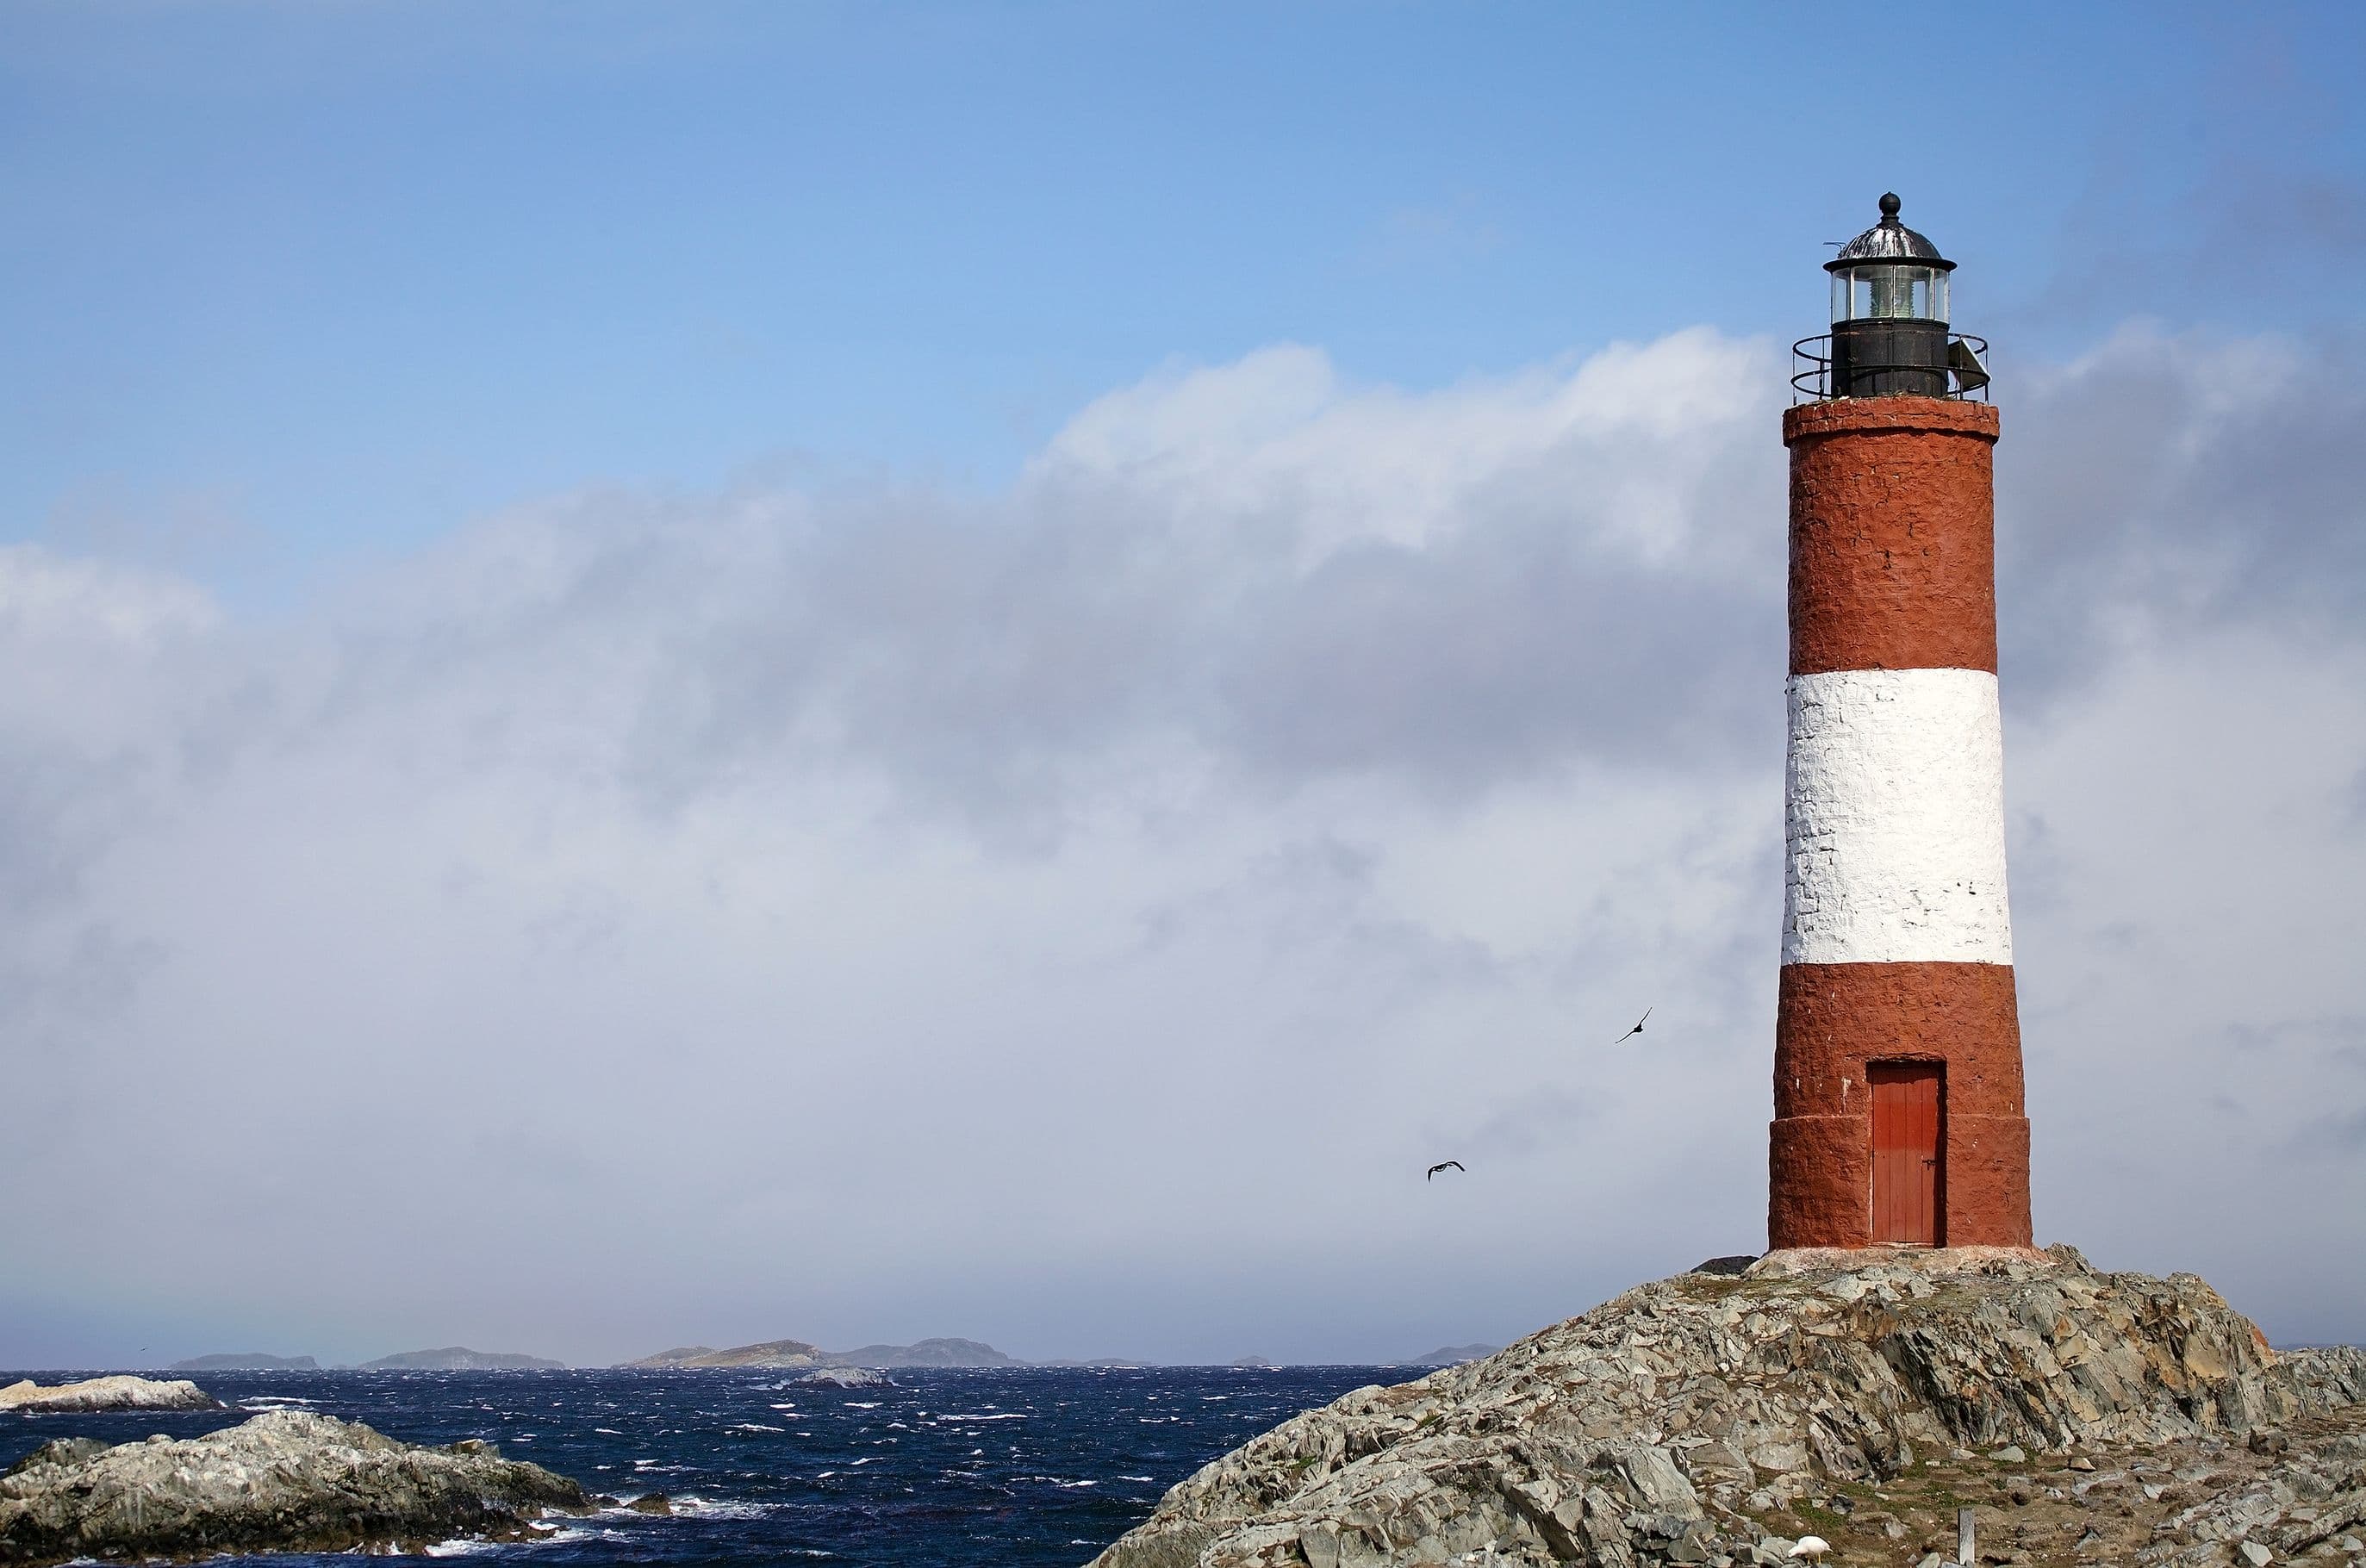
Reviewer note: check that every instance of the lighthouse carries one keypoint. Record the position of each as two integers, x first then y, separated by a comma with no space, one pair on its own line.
1899,1114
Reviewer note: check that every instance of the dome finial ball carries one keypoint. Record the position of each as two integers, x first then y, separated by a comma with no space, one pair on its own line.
1889,204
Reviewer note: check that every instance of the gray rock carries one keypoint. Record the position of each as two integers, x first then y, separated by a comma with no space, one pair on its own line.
843,1377
59,1452
287,1480
1591,1440
116,1392
1732,1267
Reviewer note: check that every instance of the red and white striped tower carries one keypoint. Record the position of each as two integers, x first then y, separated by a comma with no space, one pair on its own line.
1897,1083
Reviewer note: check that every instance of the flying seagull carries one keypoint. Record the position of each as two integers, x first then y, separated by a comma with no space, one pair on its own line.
1634,1032
1443,1165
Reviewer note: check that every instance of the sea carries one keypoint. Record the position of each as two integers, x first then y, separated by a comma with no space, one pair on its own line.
988,1469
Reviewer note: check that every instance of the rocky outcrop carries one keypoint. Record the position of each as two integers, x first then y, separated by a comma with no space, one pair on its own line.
284,1481
842,1377
115,1393
1686,1421
460,1359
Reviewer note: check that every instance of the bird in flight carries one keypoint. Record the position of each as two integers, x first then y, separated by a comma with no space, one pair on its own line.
1634,1032
1443,1165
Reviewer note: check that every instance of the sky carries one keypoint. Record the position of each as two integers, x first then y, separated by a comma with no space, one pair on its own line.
708,673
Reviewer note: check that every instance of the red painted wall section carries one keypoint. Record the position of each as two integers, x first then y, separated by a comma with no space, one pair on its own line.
1893,537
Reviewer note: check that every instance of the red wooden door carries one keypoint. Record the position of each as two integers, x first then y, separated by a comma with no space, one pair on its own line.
1905,1151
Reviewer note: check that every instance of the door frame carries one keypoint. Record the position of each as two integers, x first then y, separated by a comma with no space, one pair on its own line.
1939,1150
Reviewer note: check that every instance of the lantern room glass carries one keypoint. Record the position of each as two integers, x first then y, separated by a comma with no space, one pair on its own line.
1890,291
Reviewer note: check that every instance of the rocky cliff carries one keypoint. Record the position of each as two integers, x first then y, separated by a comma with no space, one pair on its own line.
1710,1418
284,1481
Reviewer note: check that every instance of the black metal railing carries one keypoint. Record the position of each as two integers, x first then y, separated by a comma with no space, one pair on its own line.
1967,371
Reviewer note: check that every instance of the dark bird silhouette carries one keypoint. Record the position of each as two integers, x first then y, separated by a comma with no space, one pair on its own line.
1443,1165
1634,1032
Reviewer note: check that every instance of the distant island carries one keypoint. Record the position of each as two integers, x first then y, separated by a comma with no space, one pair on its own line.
1097,1363
792,1353
1452,1356
460,1359
771,1353
246,1362
797,1354
927,1353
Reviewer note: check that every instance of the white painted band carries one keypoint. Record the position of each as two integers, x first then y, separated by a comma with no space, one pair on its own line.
1896,819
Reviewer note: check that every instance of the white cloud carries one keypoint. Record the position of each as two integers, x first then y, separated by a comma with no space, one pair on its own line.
1074,918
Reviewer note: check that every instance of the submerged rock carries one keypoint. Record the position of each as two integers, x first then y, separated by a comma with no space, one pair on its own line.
113,1393
286,1481
1654,1427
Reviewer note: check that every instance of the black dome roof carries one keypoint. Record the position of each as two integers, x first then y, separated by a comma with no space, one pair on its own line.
1890,240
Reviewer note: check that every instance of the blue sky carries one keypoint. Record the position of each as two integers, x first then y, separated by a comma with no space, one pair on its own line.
886,671
283,282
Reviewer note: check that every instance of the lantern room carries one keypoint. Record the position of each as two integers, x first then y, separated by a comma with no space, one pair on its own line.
1889,317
